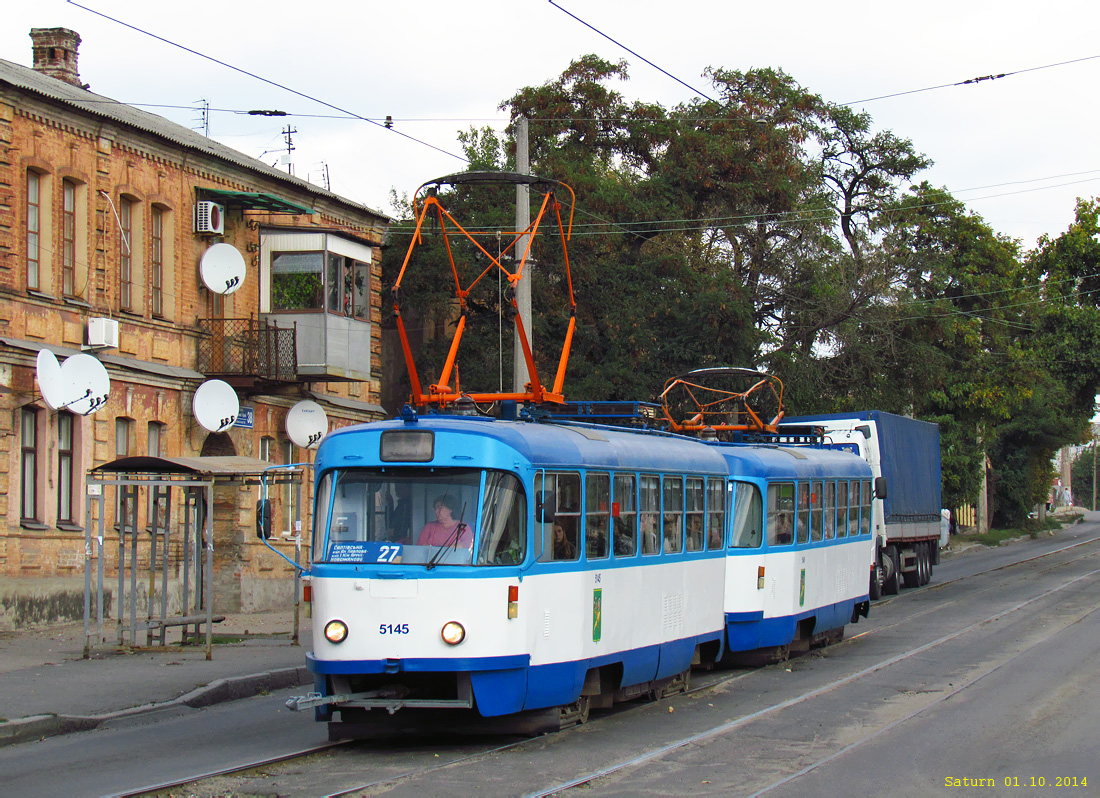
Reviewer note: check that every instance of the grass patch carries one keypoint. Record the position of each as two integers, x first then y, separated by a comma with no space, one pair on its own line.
1032,527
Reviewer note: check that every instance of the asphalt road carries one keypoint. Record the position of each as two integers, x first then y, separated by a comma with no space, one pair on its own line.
984,674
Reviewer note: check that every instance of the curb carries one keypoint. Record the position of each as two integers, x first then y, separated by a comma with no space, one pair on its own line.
38,727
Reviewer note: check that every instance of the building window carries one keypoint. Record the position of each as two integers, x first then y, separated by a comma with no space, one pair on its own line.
68,238
356,288
158,494
156,262
297,282
65,468
28,505
267,447
320,281
34,229
124,502
125,269
290,491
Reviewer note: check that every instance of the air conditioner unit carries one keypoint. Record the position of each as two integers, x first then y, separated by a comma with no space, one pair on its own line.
102,333
209,218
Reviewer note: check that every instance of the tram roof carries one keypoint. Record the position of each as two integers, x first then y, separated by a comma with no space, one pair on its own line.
560,444
792,462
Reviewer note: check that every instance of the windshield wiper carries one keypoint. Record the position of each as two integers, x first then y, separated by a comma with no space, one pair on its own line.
451,541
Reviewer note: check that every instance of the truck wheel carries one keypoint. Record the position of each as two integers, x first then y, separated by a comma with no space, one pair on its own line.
925,563
913,578
890,563
875,589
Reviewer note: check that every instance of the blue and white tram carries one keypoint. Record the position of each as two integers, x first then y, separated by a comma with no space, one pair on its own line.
800,545
510,567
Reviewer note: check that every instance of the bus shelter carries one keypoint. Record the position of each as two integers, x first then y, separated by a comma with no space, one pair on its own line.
180,552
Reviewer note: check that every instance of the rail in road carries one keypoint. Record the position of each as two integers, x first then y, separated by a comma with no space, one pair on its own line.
776,730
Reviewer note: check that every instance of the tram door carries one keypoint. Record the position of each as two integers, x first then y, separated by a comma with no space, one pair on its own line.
747,568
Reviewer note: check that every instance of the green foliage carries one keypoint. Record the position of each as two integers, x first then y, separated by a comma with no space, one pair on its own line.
1084,472
771,229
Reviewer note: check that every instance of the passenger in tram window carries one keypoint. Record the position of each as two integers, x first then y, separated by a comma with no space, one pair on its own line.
672,532
624,537
595,542
783,528
564,549
650,542
714,534
695,532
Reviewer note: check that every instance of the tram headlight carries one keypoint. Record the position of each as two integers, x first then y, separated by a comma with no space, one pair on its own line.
336,631
453,633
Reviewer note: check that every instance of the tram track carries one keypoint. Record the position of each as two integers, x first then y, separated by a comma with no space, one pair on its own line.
744,720
702,684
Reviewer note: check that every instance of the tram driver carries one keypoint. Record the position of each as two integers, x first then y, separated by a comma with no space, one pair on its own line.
445,530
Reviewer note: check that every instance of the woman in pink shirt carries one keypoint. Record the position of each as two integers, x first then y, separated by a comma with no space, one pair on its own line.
442,531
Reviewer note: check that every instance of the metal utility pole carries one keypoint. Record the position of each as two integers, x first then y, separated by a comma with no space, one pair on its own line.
523,288
288,131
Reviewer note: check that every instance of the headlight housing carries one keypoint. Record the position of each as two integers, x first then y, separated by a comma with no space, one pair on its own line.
336,631
453,633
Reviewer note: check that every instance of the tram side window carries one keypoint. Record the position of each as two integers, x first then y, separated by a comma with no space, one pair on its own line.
597,513
830,510
649,512
781,514
803,527
853,509
559,537
503,521
815,509
320,516
865,524
693,513
716,513
624,512
842,509
673,526
748,513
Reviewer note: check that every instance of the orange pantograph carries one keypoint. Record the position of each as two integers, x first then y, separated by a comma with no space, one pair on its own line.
441,393
689,405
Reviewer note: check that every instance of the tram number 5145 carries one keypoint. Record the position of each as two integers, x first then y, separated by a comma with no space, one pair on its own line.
393,629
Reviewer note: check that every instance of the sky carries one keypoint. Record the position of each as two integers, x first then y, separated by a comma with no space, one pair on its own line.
1018,150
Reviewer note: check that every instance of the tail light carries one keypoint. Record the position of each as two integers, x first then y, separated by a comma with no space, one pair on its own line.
513,602
760,578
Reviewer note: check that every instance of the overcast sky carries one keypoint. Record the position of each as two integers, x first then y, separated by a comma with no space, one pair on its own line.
1019,150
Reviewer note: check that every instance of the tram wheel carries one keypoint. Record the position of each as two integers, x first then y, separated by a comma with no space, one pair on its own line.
890,583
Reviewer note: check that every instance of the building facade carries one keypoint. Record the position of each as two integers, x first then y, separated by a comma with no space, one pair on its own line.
107,214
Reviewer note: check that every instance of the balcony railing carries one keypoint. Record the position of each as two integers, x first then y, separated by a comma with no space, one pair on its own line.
247,348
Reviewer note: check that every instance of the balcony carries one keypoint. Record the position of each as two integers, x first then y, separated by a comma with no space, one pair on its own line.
244,350
330,348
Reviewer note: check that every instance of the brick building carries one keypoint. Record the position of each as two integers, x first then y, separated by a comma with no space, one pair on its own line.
106,212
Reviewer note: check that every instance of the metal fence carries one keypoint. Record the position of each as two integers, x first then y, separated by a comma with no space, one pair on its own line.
247,347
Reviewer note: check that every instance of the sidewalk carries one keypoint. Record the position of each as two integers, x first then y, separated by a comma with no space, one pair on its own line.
49,688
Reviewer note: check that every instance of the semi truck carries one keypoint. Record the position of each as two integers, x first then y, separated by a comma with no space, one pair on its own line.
906,522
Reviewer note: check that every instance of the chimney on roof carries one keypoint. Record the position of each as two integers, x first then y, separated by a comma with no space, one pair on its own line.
55,53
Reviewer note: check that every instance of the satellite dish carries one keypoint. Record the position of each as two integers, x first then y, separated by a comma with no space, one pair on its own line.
222,268
216,405
306,424
50,382
85,384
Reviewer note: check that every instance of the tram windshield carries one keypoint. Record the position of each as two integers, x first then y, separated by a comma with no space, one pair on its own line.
421,517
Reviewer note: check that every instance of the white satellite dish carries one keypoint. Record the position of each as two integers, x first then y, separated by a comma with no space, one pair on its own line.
306,424
86,387
216,405
222,268
50,382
